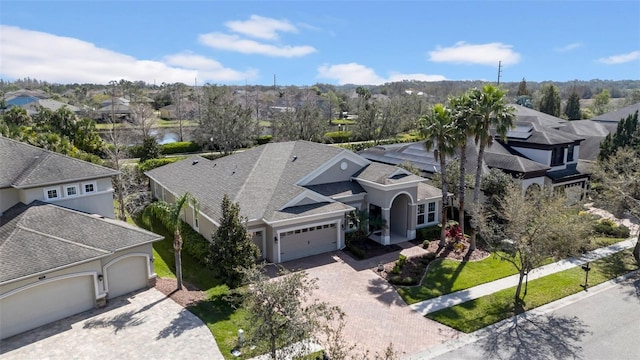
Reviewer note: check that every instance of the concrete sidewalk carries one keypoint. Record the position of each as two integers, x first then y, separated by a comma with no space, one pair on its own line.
459,297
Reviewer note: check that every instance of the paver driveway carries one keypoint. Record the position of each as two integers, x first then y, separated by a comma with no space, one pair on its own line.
144,325
375,314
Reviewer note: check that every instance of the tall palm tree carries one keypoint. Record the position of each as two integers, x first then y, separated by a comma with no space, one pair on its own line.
439,131
170,216
461,107
490,112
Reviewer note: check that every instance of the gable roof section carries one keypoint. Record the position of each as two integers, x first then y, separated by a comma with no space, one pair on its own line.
41,237
383,174
534,116
592,131
540,135
25,166
616,116
261,179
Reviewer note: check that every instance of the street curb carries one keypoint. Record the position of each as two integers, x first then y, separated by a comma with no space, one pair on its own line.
466,339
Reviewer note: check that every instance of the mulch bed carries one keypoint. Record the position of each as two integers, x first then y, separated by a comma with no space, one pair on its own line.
371,249
188,296
415,267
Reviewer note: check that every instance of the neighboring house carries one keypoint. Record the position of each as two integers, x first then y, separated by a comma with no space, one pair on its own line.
298,196
118,110
536,152
188,110
53,105
614,117
61,252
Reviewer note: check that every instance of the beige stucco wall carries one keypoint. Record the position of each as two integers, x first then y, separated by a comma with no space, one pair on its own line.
8,198
384,198
93,266
336,174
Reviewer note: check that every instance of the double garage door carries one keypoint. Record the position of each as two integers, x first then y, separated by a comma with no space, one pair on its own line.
57,299
308,241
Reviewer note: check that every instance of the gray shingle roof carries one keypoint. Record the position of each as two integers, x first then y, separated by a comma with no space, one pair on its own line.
541,135
383,174
512,163
41,237
261,179
616,116
338,189
426,191
26,166
310,209
592,131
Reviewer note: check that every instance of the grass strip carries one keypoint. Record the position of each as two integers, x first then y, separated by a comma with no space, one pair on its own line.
490,309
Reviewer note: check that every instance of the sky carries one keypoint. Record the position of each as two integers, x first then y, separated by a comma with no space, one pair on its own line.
308,42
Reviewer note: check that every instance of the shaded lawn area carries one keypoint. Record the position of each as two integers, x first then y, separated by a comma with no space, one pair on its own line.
446,276
216,312
487,310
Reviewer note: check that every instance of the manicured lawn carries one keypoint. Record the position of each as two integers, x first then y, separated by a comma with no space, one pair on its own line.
447,276
217,313
487,310
343,122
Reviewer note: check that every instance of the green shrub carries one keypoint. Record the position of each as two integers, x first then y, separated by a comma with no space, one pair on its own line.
337,137
397,268
429,233
403,281
179,147
611,229
194,243
263,139
425,244
358,252
154,163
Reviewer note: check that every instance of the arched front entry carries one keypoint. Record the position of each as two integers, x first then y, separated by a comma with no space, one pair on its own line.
399,224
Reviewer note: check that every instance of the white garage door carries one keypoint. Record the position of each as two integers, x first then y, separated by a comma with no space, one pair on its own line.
308,241
127,275
45,303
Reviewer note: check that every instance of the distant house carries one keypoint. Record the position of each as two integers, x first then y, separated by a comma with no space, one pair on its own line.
188,109
298,196
61,252
536,152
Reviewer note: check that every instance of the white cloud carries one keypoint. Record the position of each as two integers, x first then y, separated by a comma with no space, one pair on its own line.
621,59
482,54
354,73
236,43
569,47
261,27
209,68
67,60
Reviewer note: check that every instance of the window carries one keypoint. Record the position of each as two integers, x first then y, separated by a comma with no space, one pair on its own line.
420,214
51,193
557,156
70,190
570,153
88,188
431,213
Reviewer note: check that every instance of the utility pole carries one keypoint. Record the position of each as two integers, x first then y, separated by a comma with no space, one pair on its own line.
499,70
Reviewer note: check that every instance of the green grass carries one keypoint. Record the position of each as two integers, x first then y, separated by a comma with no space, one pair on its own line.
487,310
175,123
598,242
216,312
343,122
447,276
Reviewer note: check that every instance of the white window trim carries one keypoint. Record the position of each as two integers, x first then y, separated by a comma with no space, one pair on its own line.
46,193
66,187
434,212
95,187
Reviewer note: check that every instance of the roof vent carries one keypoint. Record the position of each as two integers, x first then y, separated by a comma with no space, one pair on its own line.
294,158
194,162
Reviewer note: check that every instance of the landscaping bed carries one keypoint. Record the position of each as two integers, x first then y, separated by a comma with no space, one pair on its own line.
365,249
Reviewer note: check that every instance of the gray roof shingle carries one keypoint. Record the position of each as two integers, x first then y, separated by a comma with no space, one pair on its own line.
616,116
26,166
40,237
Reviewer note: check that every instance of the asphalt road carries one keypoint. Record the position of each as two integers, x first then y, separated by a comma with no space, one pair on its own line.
603,325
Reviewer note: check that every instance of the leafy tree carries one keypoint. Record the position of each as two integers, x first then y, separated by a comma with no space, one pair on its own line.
601,102
282,313
572,110
490,112
150,149
494,185
17,116
550,100
522,88
439,130
615,185
524,100
528,230
627,135
225,123
171,217
633,97
232,248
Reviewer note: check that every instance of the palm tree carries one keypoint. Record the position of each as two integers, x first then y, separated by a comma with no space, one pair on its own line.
170,216
490,112
439,131
461,112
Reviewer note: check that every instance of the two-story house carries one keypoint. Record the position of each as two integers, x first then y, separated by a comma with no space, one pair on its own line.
61,251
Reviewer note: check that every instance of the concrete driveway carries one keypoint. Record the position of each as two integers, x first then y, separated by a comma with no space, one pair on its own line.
375,314
143,325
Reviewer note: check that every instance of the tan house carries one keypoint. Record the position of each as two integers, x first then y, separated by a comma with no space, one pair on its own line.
61,252
297,196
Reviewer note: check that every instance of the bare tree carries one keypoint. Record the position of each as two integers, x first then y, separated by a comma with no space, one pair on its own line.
530,229
300,119
143,118
116,150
